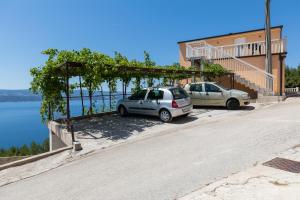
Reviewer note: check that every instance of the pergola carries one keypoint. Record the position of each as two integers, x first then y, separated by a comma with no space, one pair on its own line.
72,69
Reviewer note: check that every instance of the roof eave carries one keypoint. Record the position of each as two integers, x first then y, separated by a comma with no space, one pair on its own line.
228,34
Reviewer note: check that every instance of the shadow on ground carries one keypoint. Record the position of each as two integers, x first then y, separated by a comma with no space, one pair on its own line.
114,127
209,108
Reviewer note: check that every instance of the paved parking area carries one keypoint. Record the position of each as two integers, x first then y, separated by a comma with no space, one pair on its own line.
101,132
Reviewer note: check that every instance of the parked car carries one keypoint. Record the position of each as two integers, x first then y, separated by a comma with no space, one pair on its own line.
211,94
164,102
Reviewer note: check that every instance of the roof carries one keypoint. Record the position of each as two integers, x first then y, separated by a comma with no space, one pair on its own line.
253,30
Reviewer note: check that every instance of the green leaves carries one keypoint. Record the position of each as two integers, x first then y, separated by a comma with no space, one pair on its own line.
292,77
213,70
26,150
49,80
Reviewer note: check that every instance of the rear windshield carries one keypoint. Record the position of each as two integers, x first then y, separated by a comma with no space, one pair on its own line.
179,93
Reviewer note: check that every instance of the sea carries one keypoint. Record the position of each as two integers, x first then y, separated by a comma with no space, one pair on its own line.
20,122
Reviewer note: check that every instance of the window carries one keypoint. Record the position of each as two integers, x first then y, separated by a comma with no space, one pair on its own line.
139,95
155,94
196,88
211,88
179,93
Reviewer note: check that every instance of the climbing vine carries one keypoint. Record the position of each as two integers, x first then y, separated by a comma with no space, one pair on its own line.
50,81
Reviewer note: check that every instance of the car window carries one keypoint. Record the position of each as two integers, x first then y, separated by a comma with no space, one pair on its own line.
179,93
196,88
155,94
211,88
139,95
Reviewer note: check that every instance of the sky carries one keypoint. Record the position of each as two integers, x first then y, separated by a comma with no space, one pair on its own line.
128,26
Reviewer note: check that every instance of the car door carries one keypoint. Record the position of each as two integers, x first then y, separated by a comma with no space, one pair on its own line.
135,101
213,95
197,93
151,104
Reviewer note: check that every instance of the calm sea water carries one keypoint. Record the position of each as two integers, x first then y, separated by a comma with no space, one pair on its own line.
20,122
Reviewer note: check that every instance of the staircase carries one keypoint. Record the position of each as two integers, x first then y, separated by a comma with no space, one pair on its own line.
244,72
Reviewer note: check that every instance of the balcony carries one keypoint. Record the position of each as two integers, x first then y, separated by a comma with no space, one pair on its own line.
202,49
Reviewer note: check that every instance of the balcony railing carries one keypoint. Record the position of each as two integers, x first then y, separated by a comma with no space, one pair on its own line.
236,50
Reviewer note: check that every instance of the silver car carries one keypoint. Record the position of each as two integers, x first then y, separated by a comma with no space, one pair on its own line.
164,102
211,94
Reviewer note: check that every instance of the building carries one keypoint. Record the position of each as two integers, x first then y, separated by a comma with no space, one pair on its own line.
242,53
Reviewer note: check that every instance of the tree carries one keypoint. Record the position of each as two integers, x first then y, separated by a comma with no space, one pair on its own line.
122,61
292,77
149,63
45,145
89,78
24,150
213,70
12,151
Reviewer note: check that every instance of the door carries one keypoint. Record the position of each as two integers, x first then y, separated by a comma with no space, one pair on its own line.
135,101
213,95
197,93
152,103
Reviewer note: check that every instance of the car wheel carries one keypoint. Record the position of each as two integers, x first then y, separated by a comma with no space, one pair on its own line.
233,104
165,115
122,111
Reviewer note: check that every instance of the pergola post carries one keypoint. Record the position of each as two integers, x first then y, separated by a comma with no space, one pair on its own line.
69,125
81,96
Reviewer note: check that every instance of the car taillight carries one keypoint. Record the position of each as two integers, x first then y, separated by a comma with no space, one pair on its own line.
174,104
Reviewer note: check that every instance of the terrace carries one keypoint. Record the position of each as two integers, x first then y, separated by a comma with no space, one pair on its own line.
200,49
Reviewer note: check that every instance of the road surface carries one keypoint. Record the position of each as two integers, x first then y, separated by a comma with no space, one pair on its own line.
172,163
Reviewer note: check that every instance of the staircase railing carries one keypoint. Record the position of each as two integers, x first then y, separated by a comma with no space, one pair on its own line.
253,76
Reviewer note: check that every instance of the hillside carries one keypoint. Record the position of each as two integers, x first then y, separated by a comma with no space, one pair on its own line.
18,95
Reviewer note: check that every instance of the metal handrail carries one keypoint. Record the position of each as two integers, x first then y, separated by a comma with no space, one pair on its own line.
232,57
240,60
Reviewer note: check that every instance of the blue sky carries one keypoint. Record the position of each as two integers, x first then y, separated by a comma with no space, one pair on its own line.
128,26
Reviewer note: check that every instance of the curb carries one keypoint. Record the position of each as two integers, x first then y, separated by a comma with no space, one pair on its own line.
33,158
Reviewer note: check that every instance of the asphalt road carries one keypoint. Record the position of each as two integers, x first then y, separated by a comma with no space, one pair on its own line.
171,163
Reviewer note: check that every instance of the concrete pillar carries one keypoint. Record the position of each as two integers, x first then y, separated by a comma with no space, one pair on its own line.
50,138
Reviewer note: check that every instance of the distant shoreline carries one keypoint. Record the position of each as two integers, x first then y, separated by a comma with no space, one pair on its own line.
28,96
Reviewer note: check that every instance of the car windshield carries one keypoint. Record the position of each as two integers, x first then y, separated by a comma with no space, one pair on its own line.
179,93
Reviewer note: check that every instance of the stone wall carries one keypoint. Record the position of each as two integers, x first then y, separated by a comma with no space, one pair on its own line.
4,160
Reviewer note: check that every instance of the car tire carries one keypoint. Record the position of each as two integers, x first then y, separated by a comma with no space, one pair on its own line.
233,104
165,115
122,111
